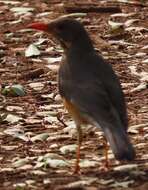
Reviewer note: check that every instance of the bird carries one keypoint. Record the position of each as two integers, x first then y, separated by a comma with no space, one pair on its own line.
89,87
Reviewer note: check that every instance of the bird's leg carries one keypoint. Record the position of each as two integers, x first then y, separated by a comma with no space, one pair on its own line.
105,166
106,154
79,142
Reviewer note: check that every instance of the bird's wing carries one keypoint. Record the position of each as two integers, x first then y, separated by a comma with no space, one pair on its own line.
93,101
112,86
116,95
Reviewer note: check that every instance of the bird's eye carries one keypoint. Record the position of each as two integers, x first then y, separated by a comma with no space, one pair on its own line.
61,27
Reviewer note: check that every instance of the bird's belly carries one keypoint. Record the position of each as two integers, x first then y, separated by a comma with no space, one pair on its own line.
74,112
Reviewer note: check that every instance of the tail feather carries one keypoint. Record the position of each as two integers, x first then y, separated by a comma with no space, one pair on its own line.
117,137
120,144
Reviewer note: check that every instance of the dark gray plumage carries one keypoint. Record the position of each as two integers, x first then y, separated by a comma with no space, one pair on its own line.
89,87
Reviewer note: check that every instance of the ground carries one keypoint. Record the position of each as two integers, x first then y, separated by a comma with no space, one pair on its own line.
37,136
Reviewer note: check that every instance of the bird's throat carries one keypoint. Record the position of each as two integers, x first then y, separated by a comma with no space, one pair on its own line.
65,45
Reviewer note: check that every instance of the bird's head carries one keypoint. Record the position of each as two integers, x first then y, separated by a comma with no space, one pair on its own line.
67,31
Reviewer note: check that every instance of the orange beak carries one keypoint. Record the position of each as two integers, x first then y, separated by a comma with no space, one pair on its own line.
39,26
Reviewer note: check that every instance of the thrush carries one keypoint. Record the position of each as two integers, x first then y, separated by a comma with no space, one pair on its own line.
89,87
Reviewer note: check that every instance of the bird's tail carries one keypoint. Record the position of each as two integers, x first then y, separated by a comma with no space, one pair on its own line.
119,142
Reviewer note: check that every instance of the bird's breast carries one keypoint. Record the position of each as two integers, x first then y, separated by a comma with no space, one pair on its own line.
74,112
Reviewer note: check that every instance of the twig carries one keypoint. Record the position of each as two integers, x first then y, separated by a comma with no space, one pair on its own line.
87,9
61,120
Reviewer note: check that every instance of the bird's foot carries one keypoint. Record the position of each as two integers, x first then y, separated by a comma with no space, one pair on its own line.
77,169
105,167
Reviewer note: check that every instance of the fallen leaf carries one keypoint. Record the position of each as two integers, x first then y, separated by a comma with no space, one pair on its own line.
51,119
46,113
70,129
124,184
54,146
88,163
31,120
68,148
74,15
59,137
10,2
56,163
40,137
14,108
52,156
44,14
140,87
17,133
14,90
7,169
130,22
20,162
140,54
53,68
21,10
122,15
18,90
52,160
32,50
51,60
141,145
38,172
106,182
144,47
145,61
38,86
30,182
80,183
127,167
12,118
46,181
9,148
116,27
19,186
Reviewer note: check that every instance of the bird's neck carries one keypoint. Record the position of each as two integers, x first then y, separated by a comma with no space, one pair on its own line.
77,56
81,45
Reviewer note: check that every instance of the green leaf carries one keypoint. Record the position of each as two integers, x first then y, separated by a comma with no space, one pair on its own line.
14,90
18,90
116,27
5,91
